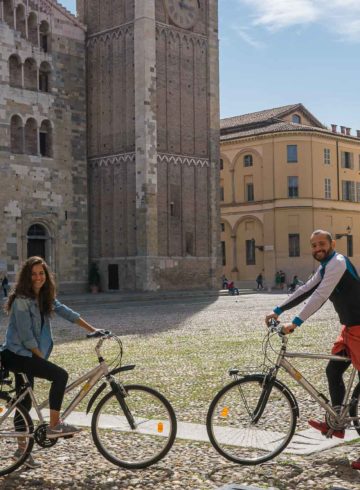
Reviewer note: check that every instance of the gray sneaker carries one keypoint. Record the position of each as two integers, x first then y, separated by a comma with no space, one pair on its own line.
61,430
30,461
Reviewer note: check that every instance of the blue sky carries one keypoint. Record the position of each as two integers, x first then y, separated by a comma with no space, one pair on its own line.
279,52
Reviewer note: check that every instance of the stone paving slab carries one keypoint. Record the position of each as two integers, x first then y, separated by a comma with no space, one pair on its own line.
303,443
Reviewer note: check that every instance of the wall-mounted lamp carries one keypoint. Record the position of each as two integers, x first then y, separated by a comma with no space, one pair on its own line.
341,235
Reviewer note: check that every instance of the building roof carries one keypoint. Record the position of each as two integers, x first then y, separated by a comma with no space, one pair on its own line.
270,121
256,117
272,128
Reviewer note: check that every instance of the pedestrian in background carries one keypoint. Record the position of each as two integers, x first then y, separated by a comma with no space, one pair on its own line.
5,285
259,281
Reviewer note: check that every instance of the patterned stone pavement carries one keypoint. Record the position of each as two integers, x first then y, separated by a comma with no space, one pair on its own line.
190,465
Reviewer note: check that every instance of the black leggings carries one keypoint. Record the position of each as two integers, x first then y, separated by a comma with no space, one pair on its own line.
334,373
36,367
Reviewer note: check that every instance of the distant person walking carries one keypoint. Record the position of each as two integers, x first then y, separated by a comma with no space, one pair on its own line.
277,280
259,281
5,285
282,279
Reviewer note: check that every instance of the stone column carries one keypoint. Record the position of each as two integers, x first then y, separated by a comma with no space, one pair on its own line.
232,177
214,144
145,145
234,254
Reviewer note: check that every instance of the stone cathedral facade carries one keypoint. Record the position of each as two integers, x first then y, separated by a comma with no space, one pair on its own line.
152,144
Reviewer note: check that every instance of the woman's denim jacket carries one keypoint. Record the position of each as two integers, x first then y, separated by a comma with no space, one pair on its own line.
24,330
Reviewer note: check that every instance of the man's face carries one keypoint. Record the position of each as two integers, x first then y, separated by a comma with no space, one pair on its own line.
321,248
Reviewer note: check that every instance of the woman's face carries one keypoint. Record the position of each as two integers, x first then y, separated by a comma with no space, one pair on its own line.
38,278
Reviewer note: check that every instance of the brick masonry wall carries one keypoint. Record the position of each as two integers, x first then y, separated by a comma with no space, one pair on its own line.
152,145
52,191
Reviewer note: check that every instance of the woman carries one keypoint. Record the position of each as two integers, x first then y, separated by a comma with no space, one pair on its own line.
28,340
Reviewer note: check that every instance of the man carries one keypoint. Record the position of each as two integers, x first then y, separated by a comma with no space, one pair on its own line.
337,280
259,281
5,285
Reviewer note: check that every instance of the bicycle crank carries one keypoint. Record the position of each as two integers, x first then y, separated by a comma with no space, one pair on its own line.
40,437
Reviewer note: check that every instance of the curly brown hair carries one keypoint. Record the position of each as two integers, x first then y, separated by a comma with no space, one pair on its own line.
23,288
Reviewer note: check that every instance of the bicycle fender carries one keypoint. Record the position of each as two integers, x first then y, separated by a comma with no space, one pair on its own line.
281,387
284,388
127,367
94,396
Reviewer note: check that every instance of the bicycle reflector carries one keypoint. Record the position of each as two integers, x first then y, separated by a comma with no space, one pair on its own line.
160,427
224,412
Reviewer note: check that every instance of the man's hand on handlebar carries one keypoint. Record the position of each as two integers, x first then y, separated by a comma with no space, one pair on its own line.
272,316
288,328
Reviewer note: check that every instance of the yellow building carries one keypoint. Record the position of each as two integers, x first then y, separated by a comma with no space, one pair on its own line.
284,174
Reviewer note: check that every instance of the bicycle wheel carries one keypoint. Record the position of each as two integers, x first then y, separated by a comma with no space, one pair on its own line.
15,446
355,409
230,427
154,433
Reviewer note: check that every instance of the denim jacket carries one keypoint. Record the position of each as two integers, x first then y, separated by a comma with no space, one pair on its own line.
24,330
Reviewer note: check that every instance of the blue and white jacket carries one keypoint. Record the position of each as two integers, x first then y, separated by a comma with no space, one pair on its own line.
336,279
25,330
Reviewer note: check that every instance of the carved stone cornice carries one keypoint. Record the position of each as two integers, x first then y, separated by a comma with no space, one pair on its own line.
112,160
167,158
109,35
181,35
183,160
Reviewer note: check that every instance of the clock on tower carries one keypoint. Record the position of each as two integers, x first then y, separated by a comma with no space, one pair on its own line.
183,13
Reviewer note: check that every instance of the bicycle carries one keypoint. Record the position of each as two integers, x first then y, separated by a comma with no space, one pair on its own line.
253,418
132,426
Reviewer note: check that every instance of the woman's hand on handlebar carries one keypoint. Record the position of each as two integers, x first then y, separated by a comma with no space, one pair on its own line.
99,332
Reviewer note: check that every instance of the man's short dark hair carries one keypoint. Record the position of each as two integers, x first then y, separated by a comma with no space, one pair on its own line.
323,232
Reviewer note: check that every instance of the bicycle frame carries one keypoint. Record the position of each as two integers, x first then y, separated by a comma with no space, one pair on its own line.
91,378
308,387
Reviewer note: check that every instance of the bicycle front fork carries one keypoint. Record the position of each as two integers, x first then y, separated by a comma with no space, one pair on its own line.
120,393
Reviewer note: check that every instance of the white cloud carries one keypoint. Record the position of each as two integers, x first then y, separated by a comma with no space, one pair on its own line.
245,36
340,16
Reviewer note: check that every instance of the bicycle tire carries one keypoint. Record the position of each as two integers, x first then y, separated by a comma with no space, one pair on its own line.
228,421
354,407
9,444
153,437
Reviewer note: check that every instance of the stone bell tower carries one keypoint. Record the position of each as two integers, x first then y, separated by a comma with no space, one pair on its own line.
153,142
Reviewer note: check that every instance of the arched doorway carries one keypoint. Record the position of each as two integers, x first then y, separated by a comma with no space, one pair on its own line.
37,236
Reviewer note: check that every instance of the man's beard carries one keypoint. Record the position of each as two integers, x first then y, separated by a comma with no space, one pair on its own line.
327,254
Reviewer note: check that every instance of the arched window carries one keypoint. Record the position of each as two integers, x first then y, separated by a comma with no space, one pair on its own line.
44,77
30,74
21,19
33,29
8,13
248,161
296,119
37,237
31,144
15,76
45,139
16,135
45,36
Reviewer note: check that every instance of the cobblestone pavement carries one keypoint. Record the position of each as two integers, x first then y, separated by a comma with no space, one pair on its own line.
189,465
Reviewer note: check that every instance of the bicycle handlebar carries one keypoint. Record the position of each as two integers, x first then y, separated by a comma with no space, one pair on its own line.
275,327
99,333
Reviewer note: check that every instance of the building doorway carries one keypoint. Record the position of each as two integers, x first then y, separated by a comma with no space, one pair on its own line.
113,274
37,237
